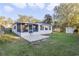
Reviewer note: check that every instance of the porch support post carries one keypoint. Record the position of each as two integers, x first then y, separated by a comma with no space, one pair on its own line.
21,27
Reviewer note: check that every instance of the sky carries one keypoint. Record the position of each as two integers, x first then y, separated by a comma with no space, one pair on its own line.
37,10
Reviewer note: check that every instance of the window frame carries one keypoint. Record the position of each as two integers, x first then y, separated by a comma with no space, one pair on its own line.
41,27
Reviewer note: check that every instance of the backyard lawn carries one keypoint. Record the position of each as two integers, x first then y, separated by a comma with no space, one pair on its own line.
57,44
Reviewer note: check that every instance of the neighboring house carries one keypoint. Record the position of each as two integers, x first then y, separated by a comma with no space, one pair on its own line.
25,29
2,29
1,32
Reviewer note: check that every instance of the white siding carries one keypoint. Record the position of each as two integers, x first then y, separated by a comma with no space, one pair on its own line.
69,30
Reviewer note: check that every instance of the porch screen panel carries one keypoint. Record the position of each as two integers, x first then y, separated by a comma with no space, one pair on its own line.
35,28
25,27
18,27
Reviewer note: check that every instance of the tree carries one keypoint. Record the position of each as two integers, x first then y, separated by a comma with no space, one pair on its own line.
67,13
48,19
5,22
23,18
10,21
2,19
35,20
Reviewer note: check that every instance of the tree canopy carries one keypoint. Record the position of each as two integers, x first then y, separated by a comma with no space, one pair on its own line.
67,13
23,18
47,19
5,22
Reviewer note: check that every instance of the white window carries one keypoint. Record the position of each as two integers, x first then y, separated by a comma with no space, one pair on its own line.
49,27
46,27
41,27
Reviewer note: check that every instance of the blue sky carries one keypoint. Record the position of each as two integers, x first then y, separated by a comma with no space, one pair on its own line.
37,10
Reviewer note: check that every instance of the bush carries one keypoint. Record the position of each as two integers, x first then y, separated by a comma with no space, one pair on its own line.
7,38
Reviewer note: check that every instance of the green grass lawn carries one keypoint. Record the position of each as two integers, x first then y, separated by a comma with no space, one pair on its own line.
57,44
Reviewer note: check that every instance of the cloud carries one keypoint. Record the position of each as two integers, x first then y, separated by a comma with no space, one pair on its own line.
40,5
20,5
31,4
36,5
51,6
8,9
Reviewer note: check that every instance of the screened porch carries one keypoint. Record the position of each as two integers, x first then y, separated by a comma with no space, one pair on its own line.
27,27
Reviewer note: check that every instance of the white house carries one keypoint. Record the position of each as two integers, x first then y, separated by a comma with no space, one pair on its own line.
32,30
70,30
